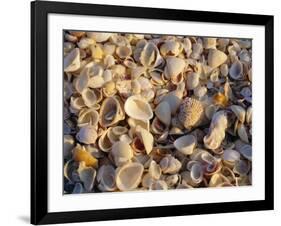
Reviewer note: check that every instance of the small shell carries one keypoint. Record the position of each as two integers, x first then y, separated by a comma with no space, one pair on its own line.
239,112
80,154
236,70
88,117
170,165
159,185
98,36
87,135
163,112
89,97
196,173
111,112
109,89
146,138
209,43
71,61
216,58
87,176
104,142
174,66
242,132
82,81
150,56
249,115
128,177
200,91
185,144
154,170
197,49
224,69
106,178
171,48
122,153
123,51
241,167
191,112
138,108
230,157
97,52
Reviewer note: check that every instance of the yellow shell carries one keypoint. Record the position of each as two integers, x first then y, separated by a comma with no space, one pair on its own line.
191,112
220,99
81,155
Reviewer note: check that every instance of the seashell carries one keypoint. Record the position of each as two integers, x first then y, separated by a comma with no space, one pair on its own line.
154,170
111,112
125,138
187,46
209,43
109,89
107,76
217,180
185,144
78,189
137,72
80,154
242,132
147,180
88,117
98,36
87,176
230,157
94,151
82,81
68,145
87,135
133,123
159,185
89,97
137,107
174,66
119,130
239,112
172,180
146,138
96,81
104,142
236,70
170,165
97,52
111,136
128,177
200,91
136,87
197,49
216,132
192,80
216,58
71,61
106,178
196,173
241,167
163,112
171,48
157,127
122,153
123,51
108,61
150,56
249,115
85,42
224,69
191,112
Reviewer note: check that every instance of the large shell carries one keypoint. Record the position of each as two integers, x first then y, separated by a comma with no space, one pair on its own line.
111,112
185,144
191,112
122,153
128,177
216,58
71,61
216,132
137,107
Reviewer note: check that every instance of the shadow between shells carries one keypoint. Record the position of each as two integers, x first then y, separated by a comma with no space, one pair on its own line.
156,112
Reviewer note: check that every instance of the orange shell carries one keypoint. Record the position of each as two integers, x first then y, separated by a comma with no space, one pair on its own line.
80,155
220,99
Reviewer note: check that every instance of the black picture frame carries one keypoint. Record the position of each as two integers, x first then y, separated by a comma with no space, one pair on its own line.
39,112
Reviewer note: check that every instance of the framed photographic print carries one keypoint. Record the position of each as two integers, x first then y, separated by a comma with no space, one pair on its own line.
145,112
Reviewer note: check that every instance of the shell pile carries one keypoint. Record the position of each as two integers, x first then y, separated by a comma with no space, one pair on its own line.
156,112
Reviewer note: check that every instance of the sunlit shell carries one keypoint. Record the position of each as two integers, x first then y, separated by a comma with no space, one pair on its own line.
185,144
80,154
171,48
146,138
196,173
106,178
220,99
170,165
163,112
174,66
98,36
128,177
154,170
71,61
85,42
191,112
217,180
104,142
109,89
122,153
216,58
138,108
87,134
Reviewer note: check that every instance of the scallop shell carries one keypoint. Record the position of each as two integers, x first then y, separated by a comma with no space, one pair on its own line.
111,112
236,70
106,178
137,107
128,177
163,112
71,61
216,58
170,165
87,176
216,132
87,135
191,112
185,144
122,153
80,154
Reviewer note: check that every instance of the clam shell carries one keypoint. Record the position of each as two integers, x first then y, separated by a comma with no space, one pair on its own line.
150,56
163,112
236,70
87,134
137,107
239,112
196,173
80,154
185,144
98,36
89,97
128,177
174,66
171,48
154,170
82,81
146,138
106,178
71,61
170,165
88,117
87,176
123,51
121,152
216,58
218,179
104,142
192,80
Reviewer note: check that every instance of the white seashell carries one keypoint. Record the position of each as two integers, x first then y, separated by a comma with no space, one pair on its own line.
137,72
88,117
85,42
106,178
87,135
163,112
104,142
68,145
200,91
137,107
209,43
76,104
109,89
122,153
107,76
216,58
98,36
146,138
196,173
108,61
125,138
242,132
159,185
89,97
71,61
171,48
216,132
236,70
133,123
224,69
239,112
123,51
170,165
136,87
81,82
174,66
150,56
119,130
128,177
249,115
111,112
87,176
192,80
185,144
154,170
231,156
197,49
